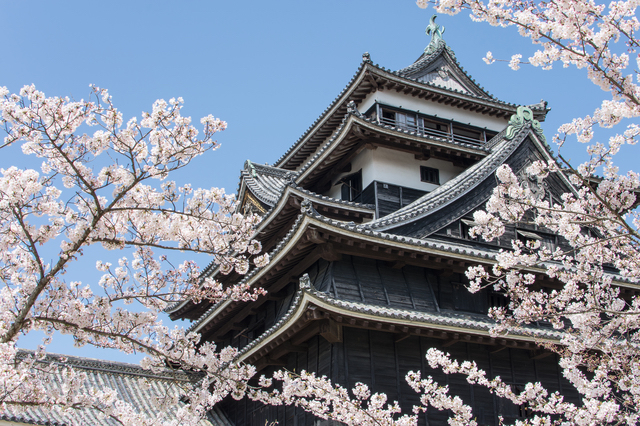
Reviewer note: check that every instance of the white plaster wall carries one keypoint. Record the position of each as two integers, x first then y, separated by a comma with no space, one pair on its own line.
408,102
401,168
363,160
397,168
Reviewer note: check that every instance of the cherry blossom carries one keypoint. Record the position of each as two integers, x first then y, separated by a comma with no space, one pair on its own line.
105,182
597,217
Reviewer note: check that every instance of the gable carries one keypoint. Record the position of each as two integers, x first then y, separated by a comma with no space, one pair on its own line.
444,72
463,207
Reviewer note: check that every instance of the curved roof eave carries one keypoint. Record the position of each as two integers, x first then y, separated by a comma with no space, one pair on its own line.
337,102
289,191
454,188
360,75
310,218
307,296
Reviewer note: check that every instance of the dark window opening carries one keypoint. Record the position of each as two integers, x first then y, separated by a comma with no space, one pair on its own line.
490,134
388,117
429,175
469,133
465,227
431,126
549,241
351,186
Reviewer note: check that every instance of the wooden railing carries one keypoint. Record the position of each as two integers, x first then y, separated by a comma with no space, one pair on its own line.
450,136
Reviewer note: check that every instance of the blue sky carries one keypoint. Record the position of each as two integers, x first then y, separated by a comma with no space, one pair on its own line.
268,68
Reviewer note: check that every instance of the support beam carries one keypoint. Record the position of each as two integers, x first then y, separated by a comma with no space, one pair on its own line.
331,331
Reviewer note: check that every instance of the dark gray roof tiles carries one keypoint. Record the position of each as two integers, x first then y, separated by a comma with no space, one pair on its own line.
332,200
351,226
450,247
266,182
473,322
212,267
133,384
272,254
427,59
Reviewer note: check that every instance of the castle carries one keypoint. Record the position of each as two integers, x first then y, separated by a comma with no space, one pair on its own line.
366,221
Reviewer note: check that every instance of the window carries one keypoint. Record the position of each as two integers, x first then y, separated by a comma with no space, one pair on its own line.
429,175
427,125
406,121
432,127
351,186
468,133
388,117
465,226
402,120
549,241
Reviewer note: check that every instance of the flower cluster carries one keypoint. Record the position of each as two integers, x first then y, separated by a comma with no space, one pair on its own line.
111,188
596,218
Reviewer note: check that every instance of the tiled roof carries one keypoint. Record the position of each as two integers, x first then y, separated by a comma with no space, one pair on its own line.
307,210
427,58
272,254
479,322
133,384
211,269
267,183
368,65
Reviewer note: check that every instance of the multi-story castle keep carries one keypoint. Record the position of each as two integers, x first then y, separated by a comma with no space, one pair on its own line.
366,220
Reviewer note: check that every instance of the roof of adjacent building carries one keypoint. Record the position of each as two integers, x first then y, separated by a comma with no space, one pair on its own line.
133,384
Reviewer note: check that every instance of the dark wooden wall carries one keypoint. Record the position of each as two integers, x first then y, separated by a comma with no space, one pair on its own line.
377,359
388,197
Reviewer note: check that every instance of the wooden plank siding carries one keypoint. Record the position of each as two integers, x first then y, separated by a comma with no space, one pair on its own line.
375,282
379,360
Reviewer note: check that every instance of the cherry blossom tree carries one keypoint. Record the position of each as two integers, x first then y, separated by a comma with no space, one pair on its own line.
598,218
104,182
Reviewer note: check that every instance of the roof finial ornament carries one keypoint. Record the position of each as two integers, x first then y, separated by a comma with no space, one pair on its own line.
518,120
366,57
353,109
435,31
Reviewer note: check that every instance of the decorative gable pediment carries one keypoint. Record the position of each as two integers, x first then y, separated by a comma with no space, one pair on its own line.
438,66
440,73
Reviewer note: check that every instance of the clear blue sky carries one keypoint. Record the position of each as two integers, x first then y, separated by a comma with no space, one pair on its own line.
268,68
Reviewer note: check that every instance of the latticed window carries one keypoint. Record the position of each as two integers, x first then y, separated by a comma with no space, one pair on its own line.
429,175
